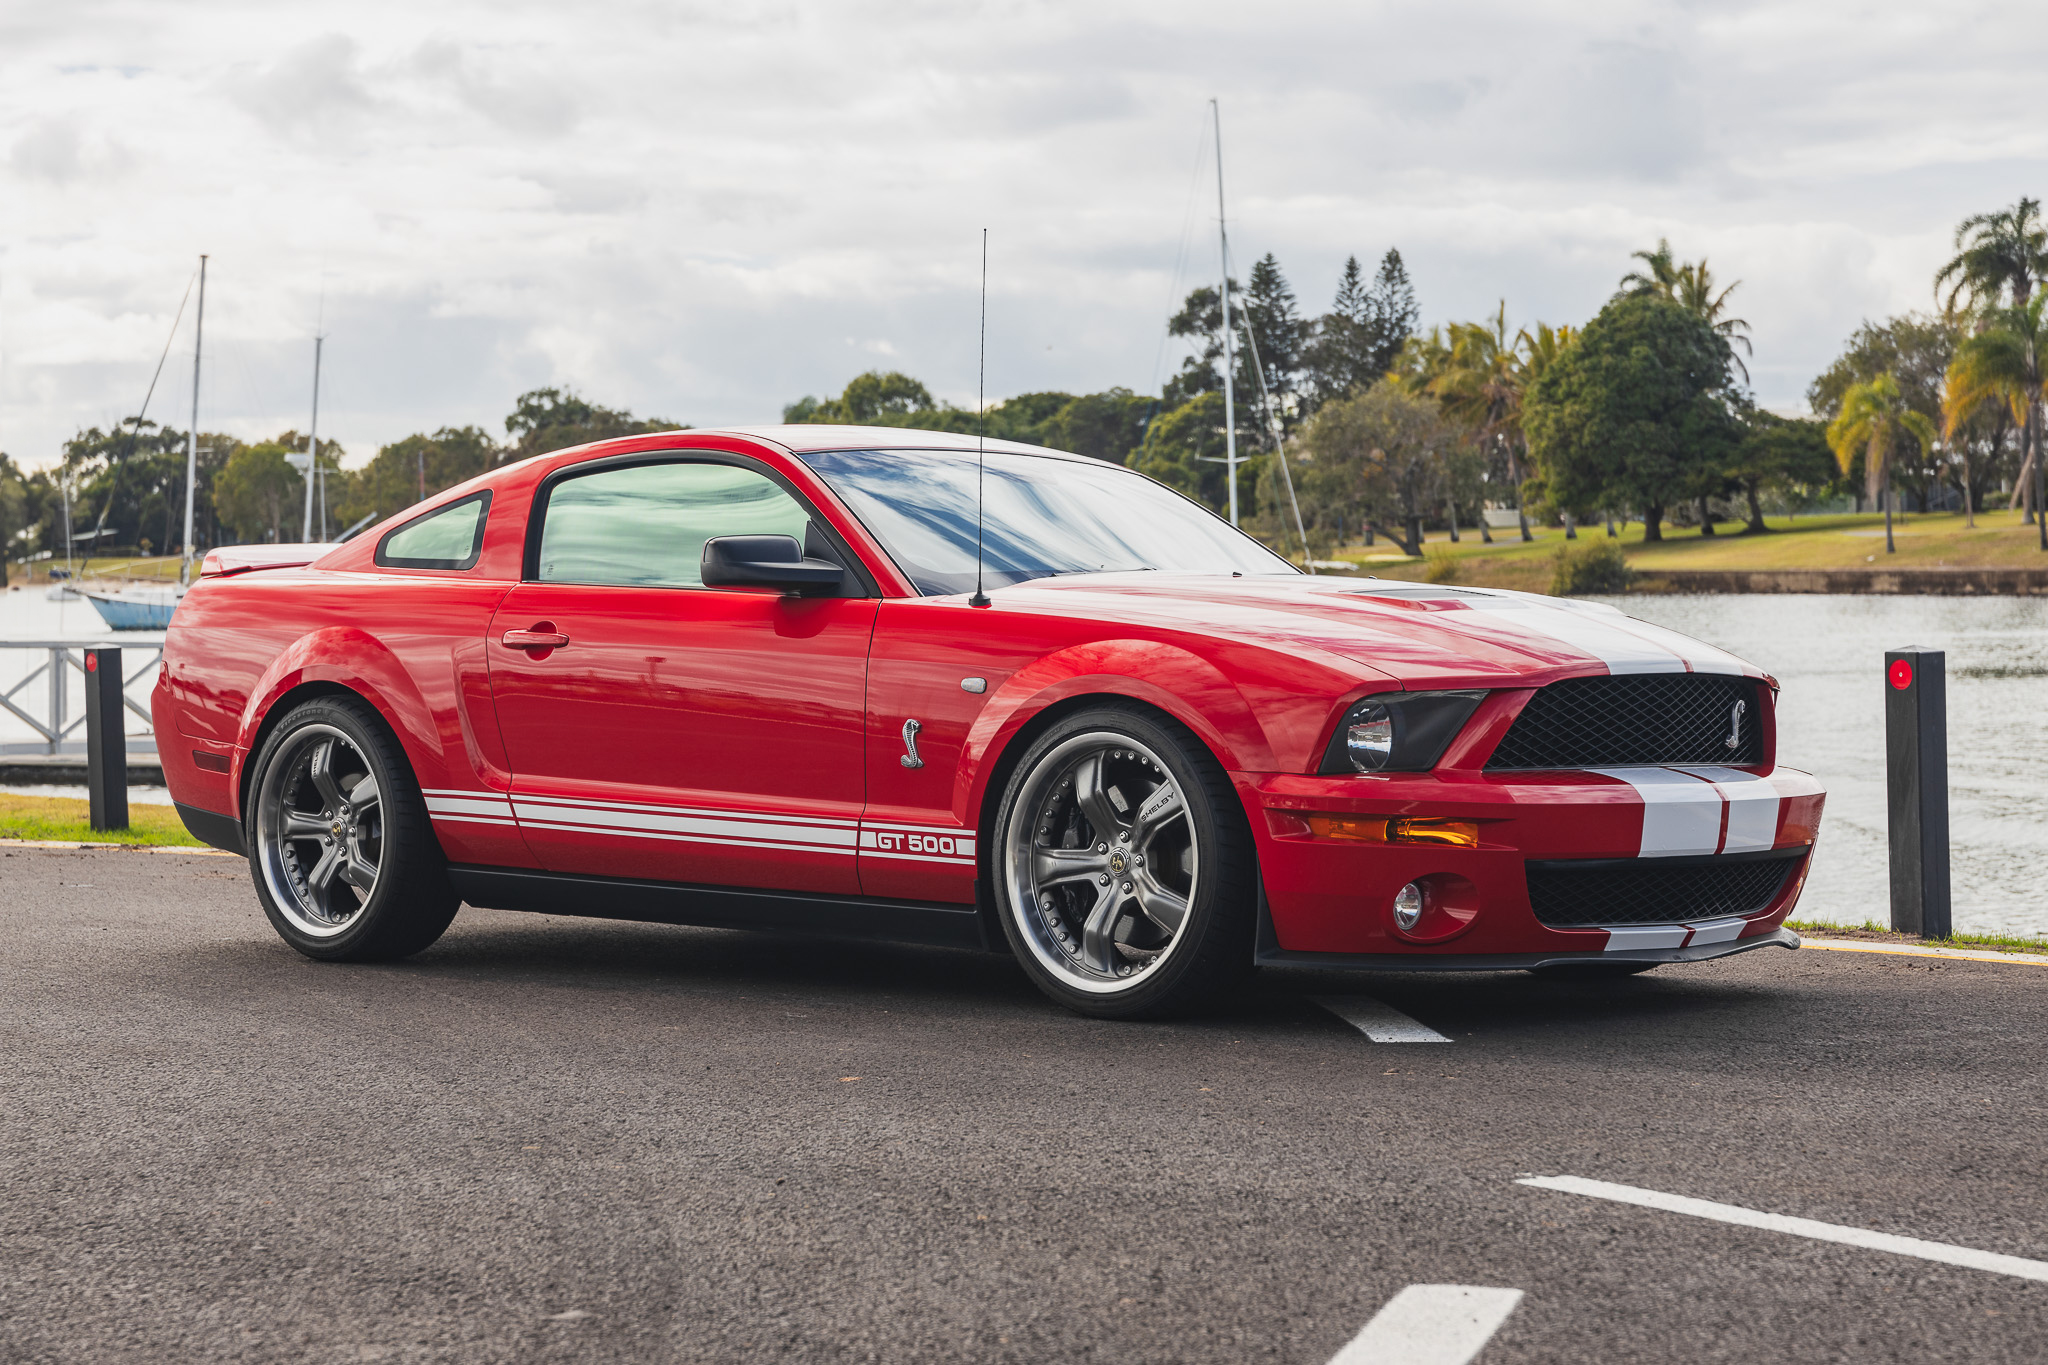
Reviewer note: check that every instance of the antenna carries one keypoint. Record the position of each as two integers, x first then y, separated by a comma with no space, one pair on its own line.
980,598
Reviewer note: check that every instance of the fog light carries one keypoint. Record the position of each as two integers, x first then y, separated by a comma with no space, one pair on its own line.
1408,907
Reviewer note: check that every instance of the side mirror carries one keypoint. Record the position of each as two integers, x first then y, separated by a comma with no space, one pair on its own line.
765,562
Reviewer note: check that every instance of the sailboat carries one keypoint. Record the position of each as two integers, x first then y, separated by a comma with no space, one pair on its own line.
148,606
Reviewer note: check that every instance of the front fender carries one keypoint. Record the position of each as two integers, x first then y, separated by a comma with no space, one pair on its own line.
1184,685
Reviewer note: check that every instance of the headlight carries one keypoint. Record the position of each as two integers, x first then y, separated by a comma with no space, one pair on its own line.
1398,732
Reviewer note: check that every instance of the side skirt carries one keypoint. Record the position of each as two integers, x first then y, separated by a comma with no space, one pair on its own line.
721,907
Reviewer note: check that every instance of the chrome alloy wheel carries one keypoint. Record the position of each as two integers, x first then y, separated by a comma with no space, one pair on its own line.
320,831
1101,859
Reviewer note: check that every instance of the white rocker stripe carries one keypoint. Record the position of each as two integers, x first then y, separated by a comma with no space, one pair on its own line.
607,808
729,827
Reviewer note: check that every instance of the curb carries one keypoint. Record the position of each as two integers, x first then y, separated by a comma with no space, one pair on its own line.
1842,945
67,846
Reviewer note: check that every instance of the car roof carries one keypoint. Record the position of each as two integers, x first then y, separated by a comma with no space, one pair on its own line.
802,437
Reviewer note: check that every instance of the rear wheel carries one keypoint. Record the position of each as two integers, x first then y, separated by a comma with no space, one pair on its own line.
344,858
1124,872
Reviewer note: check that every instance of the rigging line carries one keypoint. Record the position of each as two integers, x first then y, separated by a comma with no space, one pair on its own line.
1273,431
135,433
980,598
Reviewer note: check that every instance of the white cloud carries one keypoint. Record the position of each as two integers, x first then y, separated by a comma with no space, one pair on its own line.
706,211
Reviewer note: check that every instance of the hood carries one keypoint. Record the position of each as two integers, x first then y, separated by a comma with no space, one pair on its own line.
1421,634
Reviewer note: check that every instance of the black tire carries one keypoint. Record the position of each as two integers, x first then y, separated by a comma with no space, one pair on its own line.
333,805
1595,971
1097,938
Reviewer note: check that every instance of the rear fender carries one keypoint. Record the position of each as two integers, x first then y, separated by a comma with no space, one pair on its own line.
357,661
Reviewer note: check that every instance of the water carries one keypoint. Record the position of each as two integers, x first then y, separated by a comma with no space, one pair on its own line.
1829,654
26,614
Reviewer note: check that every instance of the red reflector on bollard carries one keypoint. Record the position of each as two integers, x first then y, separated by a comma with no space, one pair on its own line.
92,661
1901,674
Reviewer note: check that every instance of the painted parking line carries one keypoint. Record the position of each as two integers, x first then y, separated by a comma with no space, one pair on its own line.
1967,1257
1850,945
1431,1324
1381,1023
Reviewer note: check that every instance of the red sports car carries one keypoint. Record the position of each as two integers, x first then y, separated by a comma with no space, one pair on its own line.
746,678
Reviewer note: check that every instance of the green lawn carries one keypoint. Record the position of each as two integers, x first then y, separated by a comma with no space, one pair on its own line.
68,820
1814,542
2003,942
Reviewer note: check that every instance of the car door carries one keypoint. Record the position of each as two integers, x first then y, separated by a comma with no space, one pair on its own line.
661,729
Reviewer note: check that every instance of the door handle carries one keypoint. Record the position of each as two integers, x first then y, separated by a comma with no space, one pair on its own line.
542,636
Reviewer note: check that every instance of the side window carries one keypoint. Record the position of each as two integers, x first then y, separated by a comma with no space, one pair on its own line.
645,525
448,537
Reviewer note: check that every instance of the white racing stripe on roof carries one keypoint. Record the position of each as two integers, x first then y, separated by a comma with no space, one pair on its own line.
1681,813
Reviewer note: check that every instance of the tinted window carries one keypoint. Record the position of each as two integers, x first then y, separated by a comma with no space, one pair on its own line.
1039,516
645,525
450,537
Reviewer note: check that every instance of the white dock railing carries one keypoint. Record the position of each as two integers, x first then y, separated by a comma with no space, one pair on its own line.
57,724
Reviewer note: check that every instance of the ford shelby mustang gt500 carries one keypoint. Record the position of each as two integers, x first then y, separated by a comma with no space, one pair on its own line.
747,678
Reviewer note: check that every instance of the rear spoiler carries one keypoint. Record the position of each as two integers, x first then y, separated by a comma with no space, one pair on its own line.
234,559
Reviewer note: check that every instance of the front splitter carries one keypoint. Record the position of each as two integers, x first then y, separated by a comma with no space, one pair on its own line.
1515,962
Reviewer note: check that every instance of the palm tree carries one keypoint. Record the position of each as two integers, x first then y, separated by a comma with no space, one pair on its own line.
1874,416
1995,252
1479,388
1690,285
2003,361
1660,275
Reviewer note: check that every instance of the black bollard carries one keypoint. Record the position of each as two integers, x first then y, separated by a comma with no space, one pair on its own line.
106,740
1916,780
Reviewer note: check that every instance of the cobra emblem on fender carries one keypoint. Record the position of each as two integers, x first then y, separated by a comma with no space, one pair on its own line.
910,758
1735,726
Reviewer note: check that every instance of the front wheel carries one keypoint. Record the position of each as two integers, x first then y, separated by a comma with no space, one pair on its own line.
1124,873
345,860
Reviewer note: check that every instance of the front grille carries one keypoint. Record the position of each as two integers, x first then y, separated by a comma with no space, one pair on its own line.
1636,719
1608,891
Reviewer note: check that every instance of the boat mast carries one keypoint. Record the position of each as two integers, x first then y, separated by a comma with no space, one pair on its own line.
192,436
1229,399
313,454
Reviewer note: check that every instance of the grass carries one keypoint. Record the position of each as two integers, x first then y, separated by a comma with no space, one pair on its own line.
66,819
161,567
1840,541
1872,930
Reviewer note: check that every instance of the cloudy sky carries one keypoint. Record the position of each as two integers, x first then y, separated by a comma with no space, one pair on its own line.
705,211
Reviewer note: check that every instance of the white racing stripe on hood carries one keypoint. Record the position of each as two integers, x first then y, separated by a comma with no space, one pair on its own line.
1602,633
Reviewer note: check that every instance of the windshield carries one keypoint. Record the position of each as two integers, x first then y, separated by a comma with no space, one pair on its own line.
1039,517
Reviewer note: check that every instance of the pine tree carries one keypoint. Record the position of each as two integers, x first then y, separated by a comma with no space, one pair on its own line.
1391,312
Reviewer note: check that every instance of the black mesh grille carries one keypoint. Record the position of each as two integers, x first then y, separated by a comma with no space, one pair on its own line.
1636,719
1641,892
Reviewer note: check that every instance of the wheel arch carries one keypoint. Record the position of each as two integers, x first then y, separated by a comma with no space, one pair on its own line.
283,705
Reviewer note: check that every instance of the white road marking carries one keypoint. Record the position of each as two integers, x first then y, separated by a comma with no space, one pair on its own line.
1381,1023
1850,945
1431,1324
1943,1252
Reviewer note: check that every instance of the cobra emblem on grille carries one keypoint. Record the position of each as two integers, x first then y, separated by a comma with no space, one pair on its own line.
1735,726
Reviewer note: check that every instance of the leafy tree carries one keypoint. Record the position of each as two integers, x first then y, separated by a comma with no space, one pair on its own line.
555,419
1480,386
1184,450
1787,456
1108,426
1999,253
1636,413
1381,457
1915,349
1201,318
1874,419
2004,362
1268,313
259,493
13,511
417,467
1690,285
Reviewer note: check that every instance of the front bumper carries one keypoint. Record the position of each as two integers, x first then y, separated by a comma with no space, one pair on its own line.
1331,901
1517,962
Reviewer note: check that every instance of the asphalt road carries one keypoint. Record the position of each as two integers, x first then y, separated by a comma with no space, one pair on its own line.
553,1139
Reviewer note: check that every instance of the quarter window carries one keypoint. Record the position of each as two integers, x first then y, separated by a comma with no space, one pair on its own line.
448,537
645,525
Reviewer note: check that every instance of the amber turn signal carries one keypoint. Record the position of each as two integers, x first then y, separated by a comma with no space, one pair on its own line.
1372,829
